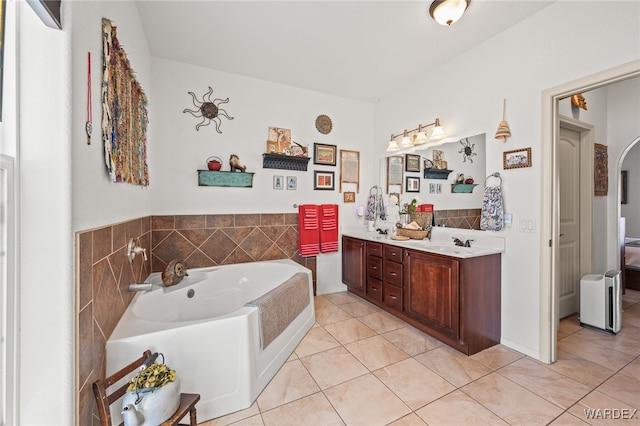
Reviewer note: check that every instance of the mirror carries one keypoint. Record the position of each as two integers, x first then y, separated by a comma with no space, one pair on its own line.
436,182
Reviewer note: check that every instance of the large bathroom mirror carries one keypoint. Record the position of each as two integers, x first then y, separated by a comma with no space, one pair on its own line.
442,168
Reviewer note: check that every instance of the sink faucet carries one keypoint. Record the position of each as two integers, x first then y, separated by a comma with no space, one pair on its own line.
140,287
459,242
467,243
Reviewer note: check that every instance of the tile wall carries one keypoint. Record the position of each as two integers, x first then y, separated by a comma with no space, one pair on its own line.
463,218
200,240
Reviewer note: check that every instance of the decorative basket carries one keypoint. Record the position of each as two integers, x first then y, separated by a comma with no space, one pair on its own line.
413,234
423,219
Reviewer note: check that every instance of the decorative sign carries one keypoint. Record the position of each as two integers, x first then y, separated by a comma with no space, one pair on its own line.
601,170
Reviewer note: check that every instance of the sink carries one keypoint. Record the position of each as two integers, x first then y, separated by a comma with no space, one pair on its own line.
447,249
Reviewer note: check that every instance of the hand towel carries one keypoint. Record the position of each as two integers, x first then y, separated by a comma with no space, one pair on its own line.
308,230
329,228
492,216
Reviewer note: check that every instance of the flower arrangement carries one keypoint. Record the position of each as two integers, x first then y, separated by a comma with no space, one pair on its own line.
154,376
410,207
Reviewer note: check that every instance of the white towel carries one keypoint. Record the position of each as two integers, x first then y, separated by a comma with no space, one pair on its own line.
492,216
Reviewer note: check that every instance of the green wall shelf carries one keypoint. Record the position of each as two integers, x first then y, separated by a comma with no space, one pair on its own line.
231,179
462,188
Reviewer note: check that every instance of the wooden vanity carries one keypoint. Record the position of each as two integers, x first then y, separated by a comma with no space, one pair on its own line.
454,299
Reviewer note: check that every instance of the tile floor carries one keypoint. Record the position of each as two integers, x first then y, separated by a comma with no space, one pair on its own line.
361,366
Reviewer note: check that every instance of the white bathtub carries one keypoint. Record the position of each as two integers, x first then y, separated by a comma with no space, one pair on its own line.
211,339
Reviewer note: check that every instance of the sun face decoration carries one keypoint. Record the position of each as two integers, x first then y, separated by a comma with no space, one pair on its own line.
467,150
208,109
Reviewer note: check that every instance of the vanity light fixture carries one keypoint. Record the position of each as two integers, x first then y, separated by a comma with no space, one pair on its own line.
417,136
446,12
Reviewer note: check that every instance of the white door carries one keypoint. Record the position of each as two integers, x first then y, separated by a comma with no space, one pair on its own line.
569,245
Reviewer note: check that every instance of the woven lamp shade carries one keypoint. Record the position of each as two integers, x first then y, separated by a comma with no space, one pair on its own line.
503,131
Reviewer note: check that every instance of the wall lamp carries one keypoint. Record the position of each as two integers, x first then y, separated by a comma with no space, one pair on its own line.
417,136
446,12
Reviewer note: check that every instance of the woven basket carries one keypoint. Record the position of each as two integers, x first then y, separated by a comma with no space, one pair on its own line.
422,218
413,234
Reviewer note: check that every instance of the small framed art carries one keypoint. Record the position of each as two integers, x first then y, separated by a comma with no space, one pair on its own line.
349,197
412,163
292,182
323,180
517,158
324,154
278,182
413,184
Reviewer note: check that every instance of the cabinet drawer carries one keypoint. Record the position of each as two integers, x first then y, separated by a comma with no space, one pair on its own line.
374,267
374,289
393,253
392,296
392,273
374,249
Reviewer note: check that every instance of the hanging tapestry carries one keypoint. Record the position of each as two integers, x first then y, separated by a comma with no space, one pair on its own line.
124,114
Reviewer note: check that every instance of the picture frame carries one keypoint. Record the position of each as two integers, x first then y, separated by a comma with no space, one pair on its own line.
623,187
323,180
324,154
395,171
292,183
411,163
282,137
439,188
413,184
516,159
600,170
432,188
278,182
349,197
272,147
350,168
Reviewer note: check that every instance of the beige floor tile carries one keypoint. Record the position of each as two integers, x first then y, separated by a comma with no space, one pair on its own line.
619,343
544,382
631,320
409,420
411,340
376,352
317,340
343,297
581,370
597,409
497,356
251,421
313,410
413,383
359,309
624,388
382,322
321,302
292,382
570,324
630,332
567,419
595,352
350,330
360,402
632,369
334,366
330,314
456,368
234,417
457,408
511,402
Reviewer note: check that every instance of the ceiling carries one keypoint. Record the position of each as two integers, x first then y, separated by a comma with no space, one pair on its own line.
361,50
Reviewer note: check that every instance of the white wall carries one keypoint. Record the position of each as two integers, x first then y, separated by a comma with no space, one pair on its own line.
467,93
631,210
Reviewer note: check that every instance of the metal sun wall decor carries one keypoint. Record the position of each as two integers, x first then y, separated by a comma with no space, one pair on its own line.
467,150
124,114
209,110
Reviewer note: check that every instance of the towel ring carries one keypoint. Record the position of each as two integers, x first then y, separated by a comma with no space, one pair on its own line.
496,175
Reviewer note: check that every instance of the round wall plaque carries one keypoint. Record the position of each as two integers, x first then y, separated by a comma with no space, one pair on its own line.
324,124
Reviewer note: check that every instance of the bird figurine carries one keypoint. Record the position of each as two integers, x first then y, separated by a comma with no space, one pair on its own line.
234,162
174,272
460,178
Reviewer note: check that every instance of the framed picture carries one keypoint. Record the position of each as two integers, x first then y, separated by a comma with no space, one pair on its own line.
517,158
438,158
439,188
282,137
350,168
349,197
292,182
278,182
623,187
395,171
600,170
323,180
272,147
324,154
432,188
413,184
412,163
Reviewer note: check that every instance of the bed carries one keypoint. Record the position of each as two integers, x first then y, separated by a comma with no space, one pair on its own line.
632,263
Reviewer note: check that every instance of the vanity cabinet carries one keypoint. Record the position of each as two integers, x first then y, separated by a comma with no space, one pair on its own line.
353,264
456,300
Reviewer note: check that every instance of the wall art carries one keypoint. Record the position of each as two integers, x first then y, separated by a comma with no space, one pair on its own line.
350,168
349,197
324,154
292,182
323,180
600,170
124,114
623,187
413,184
278,182
281,137
209,110
516,159
395,171
412,163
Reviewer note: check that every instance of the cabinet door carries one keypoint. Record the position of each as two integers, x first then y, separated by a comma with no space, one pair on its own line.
353,263
431,292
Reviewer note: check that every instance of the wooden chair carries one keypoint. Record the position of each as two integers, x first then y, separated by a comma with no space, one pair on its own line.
104,400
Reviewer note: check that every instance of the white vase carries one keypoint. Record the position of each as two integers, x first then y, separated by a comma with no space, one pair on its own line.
156,405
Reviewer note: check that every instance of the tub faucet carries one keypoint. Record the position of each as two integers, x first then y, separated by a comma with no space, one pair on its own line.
140,287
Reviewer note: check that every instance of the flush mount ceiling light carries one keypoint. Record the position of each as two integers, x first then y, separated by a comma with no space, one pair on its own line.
446,12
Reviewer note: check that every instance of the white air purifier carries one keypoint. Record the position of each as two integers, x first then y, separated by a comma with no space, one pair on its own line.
601,301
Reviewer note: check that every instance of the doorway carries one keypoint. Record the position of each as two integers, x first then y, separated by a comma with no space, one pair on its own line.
550,212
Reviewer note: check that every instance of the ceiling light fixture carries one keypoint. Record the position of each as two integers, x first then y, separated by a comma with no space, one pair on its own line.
446,12
417,136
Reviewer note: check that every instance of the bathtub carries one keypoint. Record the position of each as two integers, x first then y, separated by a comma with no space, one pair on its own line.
208,335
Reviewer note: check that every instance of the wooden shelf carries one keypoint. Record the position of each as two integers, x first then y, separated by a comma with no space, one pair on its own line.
231,179
436,173
463,188
288,162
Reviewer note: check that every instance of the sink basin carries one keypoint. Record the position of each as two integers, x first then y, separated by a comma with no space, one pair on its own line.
447,249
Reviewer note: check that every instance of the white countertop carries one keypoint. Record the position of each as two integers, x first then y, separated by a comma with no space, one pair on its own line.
482,244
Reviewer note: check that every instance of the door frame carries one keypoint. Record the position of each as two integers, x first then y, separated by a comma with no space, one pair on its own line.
549,203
